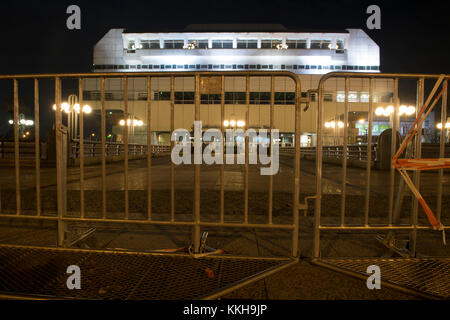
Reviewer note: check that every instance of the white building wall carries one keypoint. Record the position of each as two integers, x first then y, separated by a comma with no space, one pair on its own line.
259,115
111,51
360,50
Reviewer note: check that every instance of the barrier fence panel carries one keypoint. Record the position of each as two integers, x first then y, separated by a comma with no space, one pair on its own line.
82,148
393,207
320,151
96,178
390,205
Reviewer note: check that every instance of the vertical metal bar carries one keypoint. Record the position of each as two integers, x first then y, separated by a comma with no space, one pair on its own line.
69,123
76,123
247,108
103,137
149,150
318,202
72,125
80,95
272,89
418,154
296,192
172,166
196,233
37,157
369,152
393,151
16,145
59,156
222,166
125,135
442,149
344,152
336,132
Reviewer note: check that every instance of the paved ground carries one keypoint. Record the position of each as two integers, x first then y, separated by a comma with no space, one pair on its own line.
301,281
234,178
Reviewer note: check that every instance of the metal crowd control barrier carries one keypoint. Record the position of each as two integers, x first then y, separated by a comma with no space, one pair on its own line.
196,223
423,275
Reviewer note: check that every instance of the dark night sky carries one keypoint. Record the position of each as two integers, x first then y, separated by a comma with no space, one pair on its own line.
414,37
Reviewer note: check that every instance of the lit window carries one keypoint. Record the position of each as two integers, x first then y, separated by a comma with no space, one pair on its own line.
270,43
320,44
131,45
247,44
304,140
340,97
199,44
173,44
352,97
222,44
364,97
296,44
150,44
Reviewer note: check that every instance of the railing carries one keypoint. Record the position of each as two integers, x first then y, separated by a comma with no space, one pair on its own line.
432,150
27,149
93,149
354,152
357,154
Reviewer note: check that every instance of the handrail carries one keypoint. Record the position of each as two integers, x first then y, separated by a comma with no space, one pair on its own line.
357,152
94,149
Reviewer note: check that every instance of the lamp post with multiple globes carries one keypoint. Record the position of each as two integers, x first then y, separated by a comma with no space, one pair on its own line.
380,111
72,109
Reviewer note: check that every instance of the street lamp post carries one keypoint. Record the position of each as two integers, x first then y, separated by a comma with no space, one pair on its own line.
72,108
131,122
389,112
22,124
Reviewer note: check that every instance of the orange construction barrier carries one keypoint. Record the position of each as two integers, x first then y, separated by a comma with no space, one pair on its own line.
403,165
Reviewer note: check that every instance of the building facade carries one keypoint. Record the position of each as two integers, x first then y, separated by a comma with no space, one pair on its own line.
238,48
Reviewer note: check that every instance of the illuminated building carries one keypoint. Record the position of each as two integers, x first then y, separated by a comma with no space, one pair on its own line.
309,54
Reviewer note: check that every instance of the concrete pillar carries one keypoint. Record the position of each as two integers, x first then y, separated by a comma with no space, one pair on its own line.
383,152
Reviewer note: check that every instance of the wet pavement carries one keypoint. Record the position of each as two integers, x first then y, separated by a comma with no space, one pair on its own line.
356,178
301,281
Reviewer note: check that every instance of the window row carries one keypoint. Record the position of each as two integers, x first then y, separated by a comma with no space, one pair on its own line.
280,98
234,67
240,44
362,97
188,97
